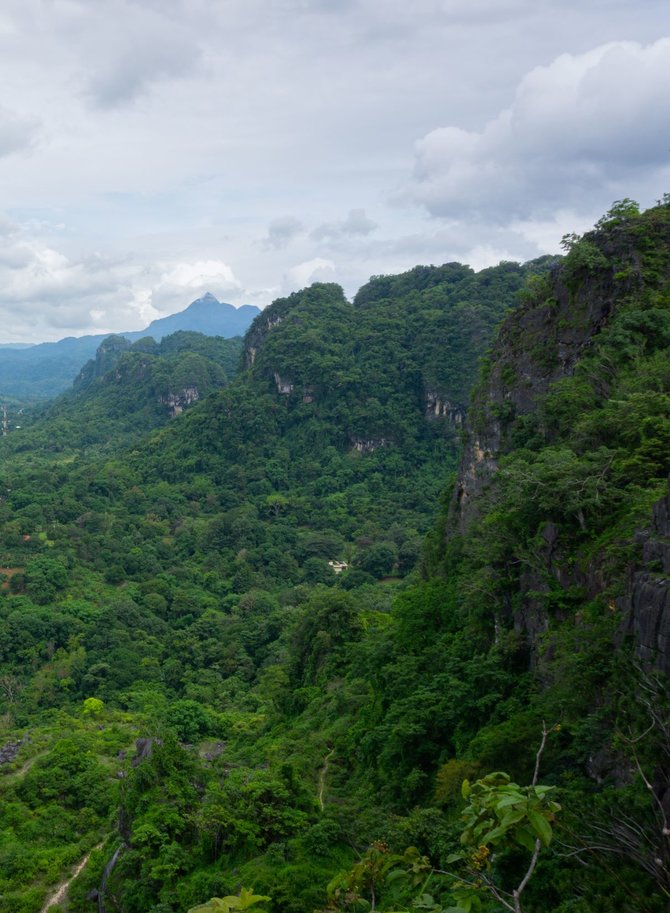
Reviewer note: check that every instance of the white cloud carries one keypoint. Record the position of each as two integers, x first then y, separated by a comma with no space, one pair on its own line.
57,295
182,282
316,270
200,273
586,125
193,132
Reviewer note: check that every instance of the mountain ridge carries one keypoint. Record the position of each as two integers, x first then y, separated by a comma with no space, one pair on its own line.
46,369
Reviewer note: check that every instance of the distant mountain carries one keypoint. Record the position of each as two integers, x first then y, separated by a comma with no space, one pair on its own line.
204,315
49,368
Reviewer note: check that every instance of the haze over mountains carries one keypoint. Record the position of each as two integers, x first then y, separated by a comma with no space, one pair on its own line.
47,369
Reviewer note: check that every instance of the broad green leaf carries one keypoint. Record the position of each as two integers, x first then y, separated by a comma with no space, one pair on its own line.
214,905
396,874
493,835
514,799
513,816
525,838
540,825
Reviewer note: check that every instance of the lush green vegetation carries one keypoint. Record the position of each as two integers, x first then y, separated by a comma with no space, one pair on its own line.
197,688
124,392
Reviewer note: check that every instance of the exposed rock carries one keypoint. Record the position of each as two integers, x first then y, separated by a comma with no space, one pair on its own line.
213,751
266,321
538,344
368,445
439,407
9,751
284,386
144,748
180,399
646,603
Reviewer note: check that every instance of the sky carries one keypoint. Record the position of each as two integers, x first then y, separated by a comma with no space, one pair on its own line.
152,150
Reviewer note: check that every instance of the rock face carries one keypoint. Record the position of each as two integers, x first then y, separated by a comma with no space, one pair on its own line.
178,400
283,384
9,751
106,359
439,407
646,603
144,749
258,332
539,344
368,445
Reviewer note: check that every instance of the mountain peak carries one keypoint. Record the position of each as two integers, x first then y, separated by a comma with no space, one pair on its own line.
207,298
205,315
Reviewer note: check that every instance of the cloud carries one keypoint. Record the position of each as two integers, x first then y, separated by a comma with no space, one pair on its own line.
186,131
282,231
46,294
316,270
355,224
190,280
16,133
584,125
134,71
138,47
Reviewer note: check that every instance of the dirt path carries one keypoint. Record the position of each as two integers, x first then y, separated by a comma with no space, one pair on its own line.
26,767
62,889
322,776
17,774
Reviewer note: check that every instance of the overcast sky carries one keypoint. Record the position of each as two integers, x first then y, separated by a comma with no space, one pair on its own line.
151,150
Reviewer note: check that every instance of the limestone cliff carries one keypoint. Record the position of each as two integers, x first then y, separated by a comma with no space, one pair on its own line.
106,359
595,332
646,602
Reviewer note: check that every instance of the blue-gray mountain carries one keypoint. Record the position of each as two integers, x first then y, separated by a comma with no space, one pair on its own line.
45,370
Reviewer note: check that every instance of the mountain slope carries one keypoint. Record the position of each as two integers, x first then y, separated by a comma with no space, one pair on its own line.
305,732
127,390
174,582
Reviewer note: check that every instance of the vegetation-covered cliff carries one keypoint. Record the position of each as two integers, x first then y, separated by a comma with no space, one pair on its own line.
191,692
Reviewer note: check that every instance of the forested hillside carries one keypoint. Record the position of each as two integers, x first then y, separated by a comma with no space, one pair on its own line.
124,392
261,647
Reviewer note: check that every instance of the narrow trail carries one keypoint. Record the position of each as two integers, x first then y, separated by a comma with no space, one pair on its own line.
322,776
23,770
62,889
28,764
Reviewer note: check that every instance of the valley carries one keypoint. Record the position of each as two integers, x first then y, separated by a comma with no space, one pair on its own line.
188,688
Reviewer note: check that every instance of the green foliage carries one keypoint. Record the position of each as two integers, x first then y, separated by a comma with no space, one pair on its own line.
246,900
500,813
266,721
93,706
